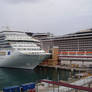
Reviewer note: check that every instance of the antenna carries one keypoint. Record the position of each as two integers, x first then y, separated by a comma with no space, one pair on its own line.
6,28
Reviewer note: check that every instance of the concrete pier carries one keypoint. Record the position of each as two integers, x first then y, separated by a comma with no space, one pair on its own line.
67,68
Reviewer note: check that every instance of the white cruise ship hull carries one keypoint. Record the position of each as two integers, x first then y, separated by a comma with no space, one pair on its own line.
19,60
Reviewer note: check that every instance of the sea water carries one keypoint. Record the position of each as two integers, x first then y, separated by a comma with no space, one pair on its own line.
12,77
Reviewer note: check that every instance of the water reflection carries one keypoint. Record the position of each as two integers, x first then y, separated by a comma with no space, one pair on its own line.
9,77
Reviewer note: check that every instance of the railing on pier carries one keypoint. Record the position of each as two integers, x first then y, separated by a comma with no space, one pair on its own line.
70,86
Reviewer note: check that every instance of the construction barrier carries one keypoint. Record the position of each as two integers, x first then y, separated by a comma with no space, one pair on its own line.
30,87
12,89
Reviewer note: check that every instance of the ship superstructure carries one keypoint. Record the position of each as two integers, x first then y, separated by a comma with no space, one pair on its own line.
74,48
18,50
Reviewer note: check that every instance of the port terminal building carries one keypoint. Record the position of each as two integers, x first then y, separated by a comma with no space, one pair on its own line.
74,48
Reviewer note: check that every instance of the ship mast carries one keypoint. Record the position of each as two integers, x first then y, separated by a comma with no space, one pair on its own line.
5,28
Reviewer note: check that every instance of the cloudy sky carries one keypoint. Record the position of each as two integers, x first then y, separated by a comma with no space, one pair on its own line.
56,16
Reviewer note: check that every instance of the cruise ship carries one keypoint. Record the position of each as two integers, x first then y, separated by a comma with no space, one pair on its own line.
74,48
18,50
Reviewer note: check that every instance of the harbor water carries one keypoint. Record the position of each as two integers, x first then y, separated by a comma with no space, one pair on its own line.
11,77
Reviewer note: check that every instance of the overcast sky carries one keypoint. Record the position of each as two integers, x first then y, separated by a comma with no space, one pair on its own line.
56,16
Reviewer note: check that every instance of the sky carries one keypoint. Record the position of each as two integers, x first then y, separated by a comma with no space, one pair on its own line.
56,16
